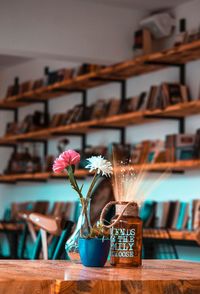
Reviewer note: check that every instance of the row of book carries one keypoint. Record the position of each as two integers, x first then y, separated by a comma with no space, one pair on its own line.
176,215
102,108
175,147
50,78
158,97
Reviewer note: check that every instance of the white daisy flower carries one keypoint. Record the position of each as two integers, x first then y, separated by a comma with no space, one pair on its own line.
100,164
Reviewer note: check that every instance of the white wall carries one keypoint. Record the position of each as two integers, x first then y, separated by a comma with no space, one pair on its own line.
181,187
74,30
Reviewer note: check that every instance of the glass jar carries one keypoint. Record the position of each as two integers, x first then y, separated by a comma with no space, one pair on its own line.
126,237
82,229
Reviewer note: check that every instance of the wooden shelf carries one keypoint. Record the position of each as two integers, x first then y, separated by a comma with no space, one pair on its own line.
177,110
81,127
137,66
168,166
172,234
82,173
120,120
43,176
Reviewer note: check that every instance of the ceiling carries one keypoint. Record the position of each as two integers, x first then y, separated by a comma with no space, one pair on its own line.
142,4
11,60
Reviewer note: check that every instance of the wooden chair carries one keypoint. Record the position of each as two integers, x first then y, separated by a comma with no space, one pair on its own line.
55,226
23,215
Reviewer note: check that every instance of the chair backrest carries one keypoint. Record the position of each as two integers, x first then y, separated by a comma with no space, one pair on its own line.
58,209
20,206
52,225
41,207
55,226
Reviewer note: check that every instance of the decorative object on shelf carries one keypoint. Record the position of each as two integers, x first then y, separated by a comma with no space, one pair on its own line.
160,25
181,37
23,162
89,240
13,89
142,42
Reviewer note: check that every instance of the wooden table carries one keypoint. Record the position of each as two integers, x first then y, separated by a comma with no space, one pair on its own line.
154,277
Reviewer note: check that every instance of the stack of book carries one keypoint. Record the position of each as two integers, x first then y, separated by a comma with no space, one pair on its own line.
173,215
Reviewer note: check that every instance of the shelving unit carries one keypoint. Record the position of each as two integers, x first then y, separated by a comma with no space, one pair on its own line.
162,234
176,56
117,73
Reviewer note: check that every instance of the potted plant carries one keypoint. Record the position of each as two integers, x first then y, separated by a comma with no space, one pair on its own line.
92,242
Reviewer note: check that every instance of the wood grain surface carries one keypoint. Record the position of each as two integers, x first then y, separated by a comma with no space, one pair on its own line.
155,276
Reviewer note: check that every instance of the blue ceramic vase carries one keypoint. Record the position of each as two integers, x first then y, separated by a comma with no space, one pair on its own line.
94,252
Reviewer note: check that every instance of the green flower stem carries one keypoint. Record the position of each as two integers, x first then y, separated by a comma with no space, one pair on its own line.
84,202
84,205
73,181
95,178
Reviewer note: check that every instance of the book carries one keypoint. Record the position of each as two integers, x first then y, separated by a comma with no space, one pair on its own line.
136,154
145,148
172,207
196,214
99,109
196,153
130,104
37,84
166,206
159,214
113,107
25,87
175,215
142,102
154,151
56,120
149,209
180,222
185,92
174,92
120,153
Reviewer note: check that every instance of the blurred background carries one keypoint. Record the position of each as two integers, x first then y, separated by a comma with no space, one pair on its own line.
53,61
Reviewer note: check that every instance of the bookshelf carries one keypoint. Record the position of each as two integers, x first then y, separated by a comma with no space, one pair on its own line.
42,176
176,56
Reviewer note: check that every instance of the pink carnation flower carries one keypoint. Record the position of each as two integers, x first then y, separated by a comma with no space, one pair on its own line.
69,157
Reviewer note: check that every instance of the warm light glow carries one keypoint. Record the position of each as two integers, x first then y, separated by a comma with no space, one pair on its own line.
130,184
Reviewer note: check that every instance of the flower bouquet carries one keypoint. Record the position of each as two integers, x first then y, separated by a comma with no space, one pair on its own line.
92,242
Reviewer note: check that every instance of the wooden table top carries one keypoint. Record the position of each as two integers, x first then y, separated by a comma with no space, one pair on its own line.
155,276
